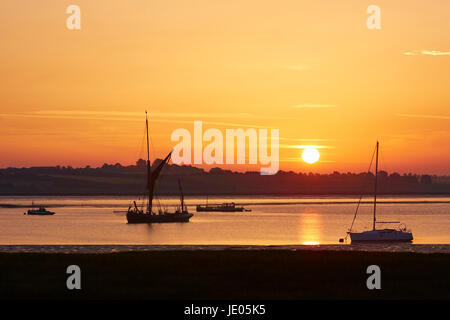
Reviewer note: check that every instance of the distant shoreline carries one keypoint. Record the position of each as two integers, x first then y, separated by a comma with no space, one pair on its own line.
130,180
287,194
365,200
7,205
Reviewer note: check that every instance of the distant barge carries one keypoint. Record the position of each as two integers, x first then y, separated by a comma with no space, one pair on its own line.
39,212
224,207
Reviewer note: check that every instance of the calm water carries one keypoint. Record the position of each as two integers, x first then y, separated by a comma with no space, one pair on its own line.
272,221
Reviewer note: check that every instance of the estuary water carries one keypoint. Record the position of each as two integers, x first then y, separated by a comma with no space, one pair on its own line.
295,222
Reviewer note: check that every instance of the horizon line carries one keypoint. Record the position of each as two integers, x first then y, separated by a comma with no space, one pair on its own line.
223,169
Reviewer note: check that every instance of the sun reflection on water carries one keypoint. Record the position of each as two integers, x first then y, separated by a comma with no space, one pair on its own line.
309,229
310,243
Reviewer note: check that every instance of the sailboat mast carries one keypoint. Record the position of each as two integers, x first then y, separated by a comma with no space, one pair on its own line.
148,169
181,195
375,191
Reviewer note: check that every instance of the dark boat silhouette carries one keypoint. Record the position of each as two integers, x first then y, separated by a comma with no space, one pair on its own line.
147,215
41,211
224,207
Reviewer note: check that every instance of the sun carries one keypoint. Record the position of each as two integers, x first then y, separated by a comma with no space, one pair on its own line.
310,155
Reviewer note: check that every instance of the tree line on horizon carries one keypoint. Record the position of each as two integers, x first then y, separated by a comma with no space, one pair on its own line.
118,179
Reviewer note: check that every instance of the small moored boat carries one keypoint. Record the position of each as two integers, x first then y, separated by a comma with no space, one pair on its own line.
39,212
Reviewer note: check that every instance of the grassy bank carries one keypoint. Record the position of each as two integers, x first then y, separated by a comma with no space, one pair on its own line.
229,274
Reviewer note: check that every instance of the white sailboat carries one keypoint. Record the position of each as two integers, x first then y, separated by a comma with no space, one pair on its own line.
401,234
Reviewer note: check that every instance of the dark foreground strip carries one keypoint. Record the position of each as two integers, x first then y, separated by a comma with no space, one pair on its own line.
232,275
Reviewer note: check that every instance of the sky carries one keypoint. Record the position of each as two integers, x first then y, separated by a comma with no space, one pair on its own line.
311,69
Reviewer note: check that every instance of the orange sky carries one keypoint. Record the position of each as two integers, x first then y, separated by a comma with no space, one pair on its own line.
312,69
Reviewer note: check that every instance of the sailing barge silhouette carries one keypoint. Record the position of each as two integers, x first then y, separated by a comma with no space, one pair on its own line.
146,215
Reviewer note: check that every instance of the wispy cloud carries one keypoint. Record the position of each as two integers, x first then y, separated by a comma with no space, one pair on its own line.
424,116
304,140
136,117
310,105
155,114
298,159
290,146
300,67
427,53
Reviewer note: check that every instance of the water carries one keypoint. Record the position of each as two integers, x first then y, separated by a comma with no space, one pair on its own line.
273,221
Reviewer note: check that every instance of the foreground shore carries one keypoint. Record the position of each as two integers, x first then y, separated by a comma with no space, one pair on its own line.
225,274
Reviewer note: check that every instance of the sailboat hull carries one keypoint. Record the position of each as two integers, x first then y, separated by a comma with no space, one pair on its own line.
39,213
158,218
382,235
